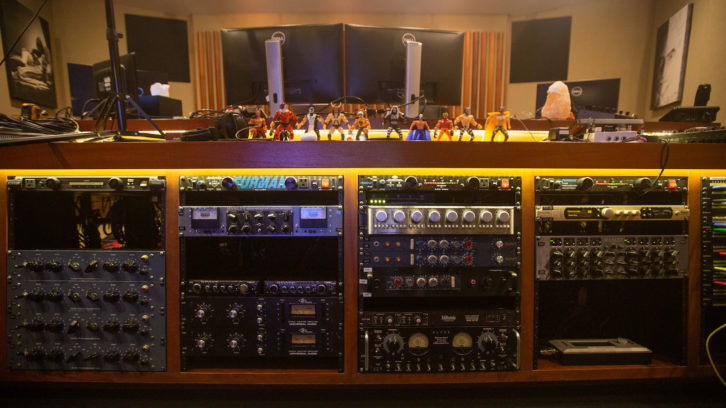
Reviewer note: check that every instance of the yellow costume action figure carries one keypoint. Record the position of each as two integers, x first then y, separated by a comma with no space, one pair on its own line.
465,122
362,125
336,119
497,122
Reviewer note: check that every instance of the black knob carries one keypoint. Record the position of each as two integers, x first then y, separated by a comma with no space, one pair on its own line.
285,228
584,183
228,183
111,266
55,325
201,185
131,296
74,266
411,182
112,356
92,327
246,228
643,183
35,266
322,289
116,183
53,183
131,356
54,266
130,266
130,326
473,182
55,295
92,296
37,295
111,296
233,229
197,288
112,326
35,355
271,229
92,266
273,288
73,326
291,183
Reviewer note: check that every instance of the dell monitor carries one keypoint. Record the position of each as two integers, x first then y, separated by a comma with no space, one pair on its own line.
590,99
375,64
312,63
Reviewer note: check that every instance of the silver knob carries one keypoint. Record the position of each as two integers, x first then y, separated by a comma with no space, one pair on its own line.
469,216
233,344
433,282
486,216
431,244
399,216
503,216
416,216
233,314
444,244
434,216
499,259
381,216
433,259
421,282
452,216
607,212
444,259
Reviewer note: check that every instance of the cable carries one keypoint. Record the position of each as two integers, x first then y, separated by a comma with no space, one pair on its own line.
7,54
664,163
708,353
525,128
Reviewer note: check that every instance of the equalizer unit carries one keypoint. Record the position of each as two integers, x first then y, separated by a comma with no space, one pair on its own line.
261,272
86,273
439,265
610,253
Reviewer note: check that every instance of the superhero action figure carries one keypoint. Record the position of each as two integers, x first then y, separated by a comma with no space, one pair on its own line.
419,130
362,125
392,117
465,122
282,123
445,125
258,125
311,118
336,119
497,122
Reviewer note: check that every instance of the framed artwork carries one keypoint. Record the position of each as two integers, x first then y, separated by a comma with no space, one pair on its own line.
29,65
671,54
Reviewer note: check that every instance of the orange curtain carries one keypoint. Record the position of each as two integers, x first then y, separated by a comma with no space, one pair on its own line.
483,77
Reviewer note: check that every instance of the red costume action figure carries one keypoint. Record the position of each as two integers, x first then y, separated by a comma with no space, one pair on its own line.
445,125
258,125
283,121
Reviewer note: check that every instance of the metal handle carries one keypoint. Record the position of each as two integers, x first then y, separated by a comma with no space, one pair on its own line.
365,355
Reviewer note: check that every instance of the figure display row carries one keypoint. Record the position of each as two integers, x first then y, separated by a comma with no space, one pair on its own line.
284,122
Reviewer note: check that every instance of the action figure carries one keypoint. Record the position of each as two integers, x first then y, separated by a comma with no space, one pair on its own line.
497,122
464,123
362,125
336,119
310,119
283,121
419,130
444,124
258,125
393,117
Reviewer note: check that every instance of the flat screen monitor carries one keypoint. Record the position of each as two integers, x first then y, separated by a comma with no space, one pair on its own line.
103,77
594,96
80,80
375,64
312,63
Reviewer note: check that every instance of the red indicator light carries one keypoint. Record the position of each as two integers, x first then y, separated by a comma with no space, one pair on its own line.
505,183
672,184
325,183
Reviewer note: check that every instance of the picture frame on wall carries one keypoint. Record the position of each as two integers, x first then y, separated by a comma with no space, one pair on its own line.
671,54
29,65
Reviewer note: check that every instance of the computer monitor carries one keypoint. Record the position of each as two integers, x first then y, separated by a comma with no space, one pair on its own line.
375,63
596,98
103,77
312,63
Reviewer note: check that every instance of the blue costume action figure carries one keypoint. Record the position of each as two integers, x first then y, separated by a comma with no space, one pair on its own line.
419,130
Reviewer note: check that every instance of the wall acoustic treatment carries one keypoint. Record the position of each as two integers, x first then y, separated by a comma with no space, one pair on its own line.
540,50
160,45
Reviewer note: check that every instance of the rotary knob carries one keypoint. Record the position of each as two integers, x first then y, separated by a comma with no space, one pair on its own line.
469,216
486,216
432,259
381,216
642,183
393,344
74,266
607,212
416,216
202,312
503,216
399,216
452,216
233,314
244,288
411,181
228,183
444,259
434,216
431,244
53,183
130,266
584,183
473,182
233,343
433,282
202,342
116,183
421,282
487,342
291,183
